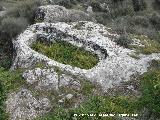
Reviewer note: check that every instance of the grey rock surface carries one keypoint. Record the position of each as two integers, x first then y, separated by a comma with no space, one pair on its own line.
117,67
43,78
64,80
23,106
56,13
69,96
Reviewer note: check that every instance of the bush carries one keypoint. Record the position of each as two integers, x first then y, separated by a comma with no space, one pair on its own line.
124,41
17,20
137,24
142,21
10,27
156,5
6,61
155,20
122,12
96,6
103,18
13,26
1,8
66,3
25,9
2,99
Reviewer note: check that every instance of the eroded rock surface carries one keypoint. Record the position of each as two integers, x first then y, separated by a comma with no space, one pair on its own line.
56,13
23,106
118,66
69,81
42,78
48,79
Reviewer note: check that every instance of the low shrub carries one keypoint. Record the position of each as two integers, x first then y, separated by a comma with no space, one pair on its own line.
3,115
155,21
124,41
1,8
122,12
5,61
25,9
137,24
96,6
66,3
13,26
139,21
103,18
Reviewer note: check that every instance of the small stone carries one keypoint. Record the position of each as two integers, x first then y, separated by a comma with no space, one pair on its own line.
69,96
64,80
26,108
60,101
76,85
89,10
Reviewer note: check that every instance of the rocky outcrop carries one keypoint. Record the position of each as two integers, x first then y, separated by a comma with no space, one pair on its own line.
23,106
55,13
116,67
44,79
48,79
115,63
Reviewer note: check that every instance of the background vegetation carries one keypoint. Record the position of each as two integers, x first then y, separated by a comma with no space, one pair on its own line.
19,15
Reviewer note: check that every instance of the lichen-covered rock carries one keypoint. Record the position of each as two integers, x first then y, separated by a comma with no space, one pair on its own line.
23,106
89,10
56,13
69,96
42,78
64,80
115,67
68,81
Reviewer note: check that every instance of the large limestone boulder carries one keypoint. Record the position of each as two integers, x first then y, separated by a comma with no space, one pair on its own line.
115,67
46,79
23,106
56,13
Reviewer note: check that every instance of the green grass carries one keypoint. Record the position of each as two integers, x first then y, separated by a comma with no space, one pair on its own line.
10,81
151,91
66,53
95,105
150,46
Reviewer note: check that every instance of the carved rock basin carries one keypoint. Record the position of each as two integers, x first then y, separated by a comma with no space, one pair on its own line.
115,64
49,33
